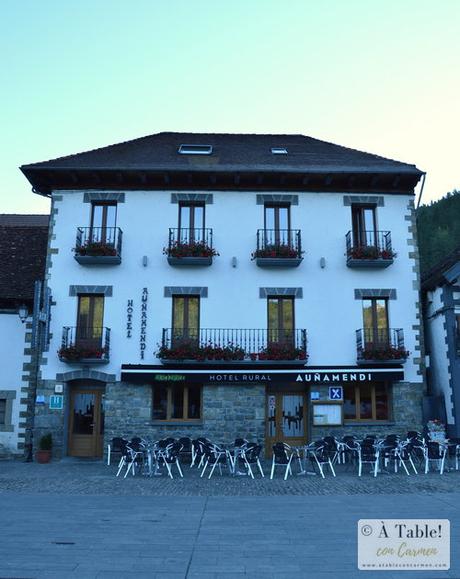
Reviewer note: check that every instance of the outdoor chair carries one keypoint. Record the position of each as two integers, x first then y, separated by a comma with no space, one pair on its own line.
405,455
348,450
282,456
417,449
186,450
170,456
198,454
115,446
368,453
332,446
133,458
250,456
321,454
436,453
215,456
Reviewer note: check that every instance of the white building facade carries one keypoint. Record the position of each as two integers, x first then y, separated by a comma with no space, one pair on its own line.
441,288
229,285
23,242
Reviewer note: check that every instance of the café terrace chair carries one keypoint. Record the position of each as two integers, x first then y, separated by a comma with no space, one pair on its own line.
435,453
368,453
215,456
321,454
282,456
115,446
250,456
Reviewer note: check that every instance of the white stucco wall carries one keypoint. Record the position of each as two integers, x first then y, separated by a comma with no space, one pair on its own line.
12,340
328,309
439,360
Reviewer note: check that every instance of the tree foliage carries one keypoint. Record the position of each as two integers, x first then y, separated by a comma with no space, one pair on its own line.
438,229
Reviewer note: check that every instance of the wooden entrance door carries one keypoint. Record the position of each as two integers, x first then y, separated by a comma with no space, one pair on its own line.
287,419
86,424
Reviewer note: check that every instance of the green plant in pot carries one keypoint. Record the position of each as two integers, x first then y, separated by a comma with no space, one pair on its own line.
43,455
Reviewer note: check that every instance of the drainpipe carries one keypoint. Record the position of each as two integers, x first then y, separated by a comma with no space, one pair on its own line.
421,191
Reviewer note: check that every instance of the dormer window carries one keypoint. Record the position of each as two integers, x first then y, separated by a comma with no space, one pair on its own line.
195,150
279,151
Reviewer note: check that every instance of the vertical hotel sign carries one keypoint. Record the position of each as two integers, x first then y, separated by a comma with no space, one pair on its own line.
143,335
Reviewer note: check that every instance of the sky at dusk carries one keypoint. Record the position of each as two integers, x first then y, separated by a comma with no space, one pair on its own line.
379,76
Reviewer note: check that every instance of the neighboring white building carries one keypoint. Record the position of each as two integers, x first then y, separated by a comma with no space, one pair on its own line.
316,284
441,289
23,242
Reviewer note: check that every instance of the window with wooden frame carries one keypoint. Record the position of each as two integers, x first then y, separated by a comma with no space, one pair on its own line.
90,320
370,402
185,319
191,222
277,223
364,223
177,402
103,222
375,322
2,411
280,318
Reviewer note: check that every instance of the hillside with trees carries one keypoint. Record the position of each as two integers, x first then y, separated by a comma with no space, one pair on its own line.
438,229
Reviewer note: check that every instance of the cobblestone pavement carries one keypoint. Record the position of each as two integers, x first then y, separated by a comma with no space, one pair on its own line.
75,520
59,536
83,477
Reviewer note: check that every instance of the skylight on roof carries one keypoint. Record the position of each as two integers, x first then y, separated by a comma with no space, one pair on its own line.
195,150
279,151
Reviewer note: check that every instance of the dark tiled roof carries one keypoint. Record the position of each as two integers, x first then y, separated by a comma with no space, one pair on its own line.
22,261
231,152
18,220
435,276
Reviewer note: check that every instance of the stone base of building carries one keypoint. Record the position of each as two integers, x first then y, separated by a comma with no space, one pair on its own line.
228,411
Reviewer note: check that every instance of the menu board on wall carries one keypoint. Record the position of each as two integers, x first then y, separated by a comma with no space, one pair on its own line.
327,414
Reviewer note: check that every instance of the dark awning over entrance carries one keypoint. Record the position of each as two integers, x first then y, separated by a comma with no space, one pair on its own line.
268,374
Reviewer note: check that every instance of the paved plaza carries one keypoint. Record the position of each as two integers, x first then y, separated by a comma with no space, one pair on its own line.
71,519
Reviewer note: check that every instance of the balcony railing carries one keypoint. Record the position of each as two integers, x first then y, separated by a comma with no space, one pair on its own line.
278,248
369,249
85,345
98,245
376,346
228,345
190,246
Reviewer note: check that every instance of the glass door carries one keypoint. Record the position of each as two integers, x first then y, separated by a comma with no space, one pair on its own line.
186,319
286,419
364,226
281,321
103,222
375,320
86,424
90,322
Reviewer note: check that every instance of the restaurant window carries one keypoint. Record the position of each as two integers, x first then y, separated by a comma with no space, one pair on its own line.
364,225
176,402
368,402
2,411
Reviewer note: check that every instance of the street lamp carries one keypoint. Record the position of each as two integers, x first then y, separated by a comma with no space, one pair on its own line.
23,312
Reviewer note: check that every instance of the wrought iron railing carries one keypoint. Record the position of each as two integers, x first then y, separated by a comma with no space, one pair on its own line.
82,343
369,245
243,344
193,241
380,344
278,243
99,241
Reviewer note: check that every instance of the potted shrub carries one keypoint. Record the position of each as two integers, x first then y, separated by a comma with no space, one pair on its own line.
278,250
76,353
96,248
43,455
191,249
